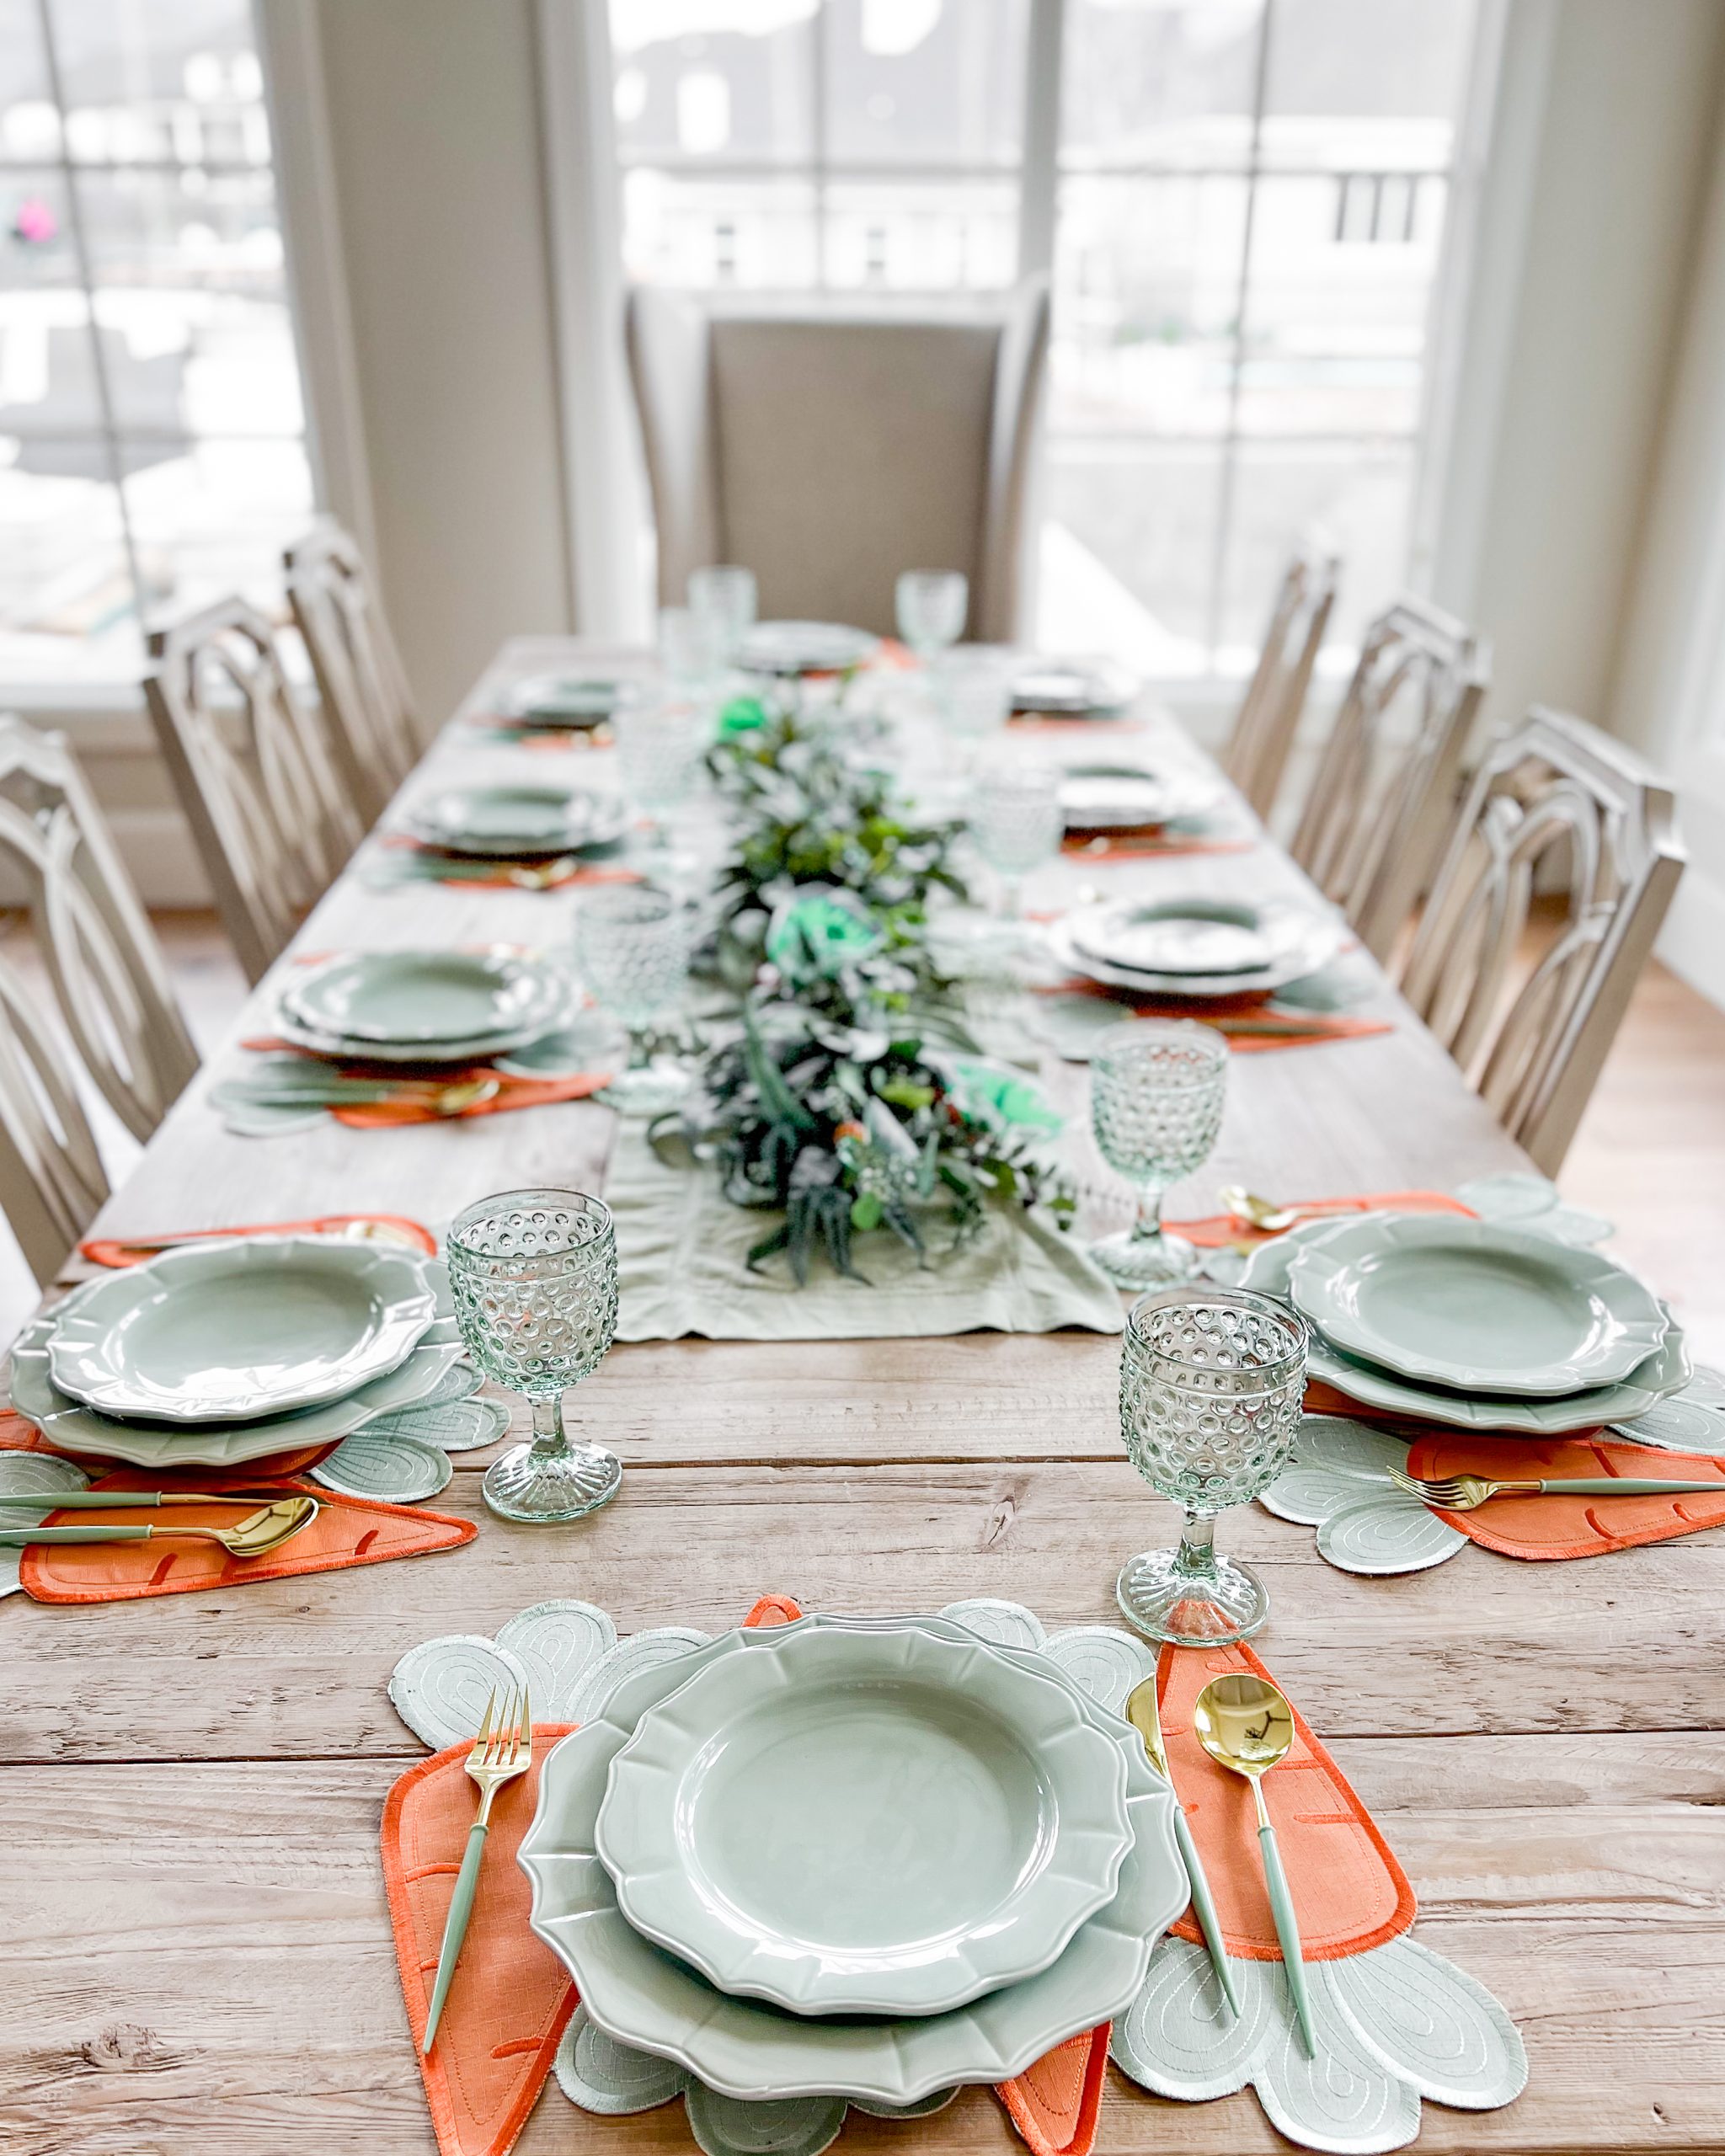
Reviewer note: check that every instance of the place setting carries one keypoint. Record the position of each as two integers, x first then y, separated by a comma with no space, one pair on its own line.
257,1368
379,1038
508,837
562,709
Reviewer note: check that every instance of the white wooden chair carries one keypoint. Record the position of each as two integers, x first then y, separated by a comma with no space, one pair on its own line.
1384,793
255,775
1268,717
1534,1049
360,680
111,985
828,446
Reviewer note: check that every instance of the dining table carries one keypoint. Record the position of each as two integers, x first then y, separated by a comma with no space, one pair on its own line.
197,1954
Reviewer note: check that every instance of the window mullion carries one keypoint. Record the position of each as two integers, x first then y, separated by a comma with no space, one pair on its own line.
1038,176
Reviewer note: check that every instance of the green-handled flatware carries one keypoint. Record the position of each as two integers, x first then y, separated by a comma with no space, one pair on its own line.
1246,1725
503,1749
147,1500
255,1536
1142,1713
1466,1493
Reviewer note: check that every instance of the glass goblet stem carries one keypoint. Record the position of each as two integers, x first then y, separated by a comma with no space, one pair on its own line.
550,1439
1148,1223
1196,1557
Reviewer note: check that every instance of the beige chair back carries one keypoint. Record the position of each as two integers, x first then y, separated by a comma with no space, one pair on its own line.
255,775
828,450
1268,717
1385,791
116,1000
1554,790
367,708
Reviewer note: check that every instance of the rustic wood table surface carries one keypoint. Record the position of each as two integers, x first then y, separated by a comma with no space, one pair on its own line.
196,1955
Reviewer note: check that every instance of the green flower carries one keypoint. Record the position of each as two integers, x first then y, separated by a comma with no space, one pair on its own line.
741,715
1003,1099
819,932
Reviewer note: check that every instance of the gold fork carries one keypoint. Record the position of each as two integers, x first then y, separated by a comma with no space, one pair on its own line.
1466,1493
503,1749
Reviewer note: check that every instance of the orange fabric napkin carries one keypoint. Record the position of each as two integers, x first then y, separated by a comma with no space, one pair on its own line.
347,1531
1349,1889
1218,1229
498,878
1218,1010
511,1093
121,1252
1570,1526
17,1434
1138,846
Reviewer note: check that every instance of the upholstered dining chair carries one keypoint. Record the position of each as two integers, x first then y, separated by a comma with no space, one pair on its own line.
367,707
1384,792
827,449
1555,793
111,987
254,772
1268,717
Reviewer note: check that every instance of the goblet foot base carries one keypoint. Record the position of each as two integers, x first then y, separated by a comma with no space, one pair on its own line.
648,1088
1169,1602
1146,1260
547,1488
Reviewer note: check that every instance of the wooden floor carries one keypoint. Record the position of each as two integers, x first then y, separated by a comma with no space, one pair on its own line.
1650,1155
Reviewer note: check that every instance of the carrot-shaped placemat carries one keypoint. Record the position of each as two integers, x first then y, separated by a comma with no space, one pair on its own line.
347,1531
432,864
120,1251
1559,1524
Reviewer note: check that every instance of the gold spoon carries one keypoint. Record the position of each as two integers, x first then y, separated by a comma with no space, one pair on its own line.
1246,1726
254,1536
1141,1712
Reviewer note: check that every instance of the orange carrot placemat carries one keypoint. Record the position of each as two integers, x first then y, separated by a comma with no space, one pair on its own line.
1252,1028
467,873
347,1531
1149,845
1216,1231
120,1253
1559,1526
511,1092
1350,1892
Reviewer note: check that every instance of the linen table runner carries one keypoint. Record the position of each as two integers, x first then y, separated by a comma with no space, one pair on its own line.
682,1250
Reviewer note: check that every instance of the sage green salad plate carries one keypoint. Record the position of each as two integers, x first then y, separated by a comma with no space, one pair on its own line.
78,1428
1475,1306
804,647
516,821
1111,945
228,1330
865,1822
639,1994
1666,1370
432,1000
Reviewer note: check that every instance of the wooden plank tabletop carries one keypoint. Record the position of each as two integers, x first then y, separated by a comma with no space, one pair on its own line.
196,1953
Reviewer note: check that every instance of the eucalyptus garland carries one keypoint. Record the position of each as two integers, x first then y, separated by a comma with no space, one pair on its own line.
850,1098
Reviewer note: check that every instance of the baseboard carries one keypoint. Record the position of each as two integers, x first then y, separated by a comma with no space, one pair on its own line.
1692,942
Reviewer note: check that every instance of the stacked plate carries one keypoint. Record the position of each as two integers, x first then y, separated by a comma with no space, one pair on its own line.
426,1006
571,702
518,823
873,1859
1196,946
1073,688
804,647
1128,797
1472,1324
233,1349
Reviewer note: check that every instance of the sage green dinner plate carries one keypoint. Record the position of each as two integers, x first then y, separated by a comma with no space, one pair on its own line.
804,647
1302,939
1126,796
1475,1306
873,1822
567,700
1666,1370
428,999
80,1429
639,1994
516,821
235,1328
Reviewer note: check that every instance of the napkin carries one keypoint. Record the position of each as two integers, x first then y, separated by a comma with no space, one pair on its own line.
1558,1526
122,1252
19,1434
347,1531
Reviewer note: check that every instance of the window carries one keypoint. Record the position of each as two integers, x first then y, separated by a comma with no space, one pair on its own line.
1249,198
788,145
152,441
